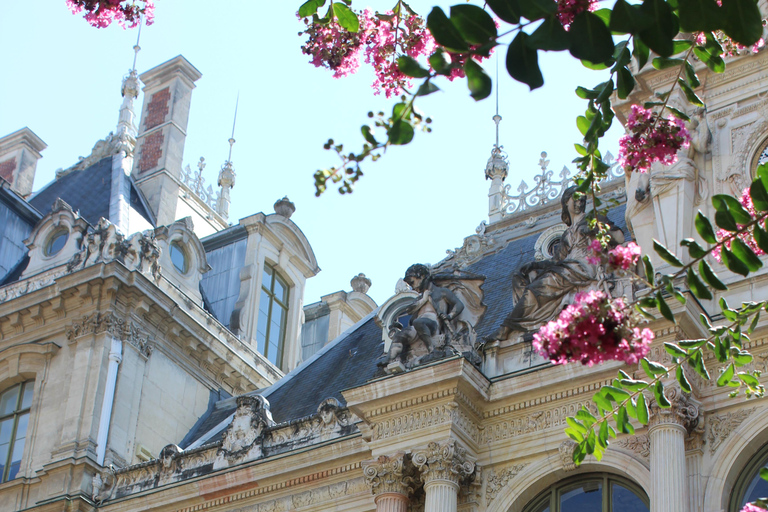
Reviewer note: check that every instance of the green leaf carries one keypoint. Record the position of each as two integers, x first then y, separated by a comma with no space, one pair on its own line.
523,62
474,24
733,263
723,202
633,385
694,249
748,379
585,416
689,94
586,94
704,228
665,62
576,425
507,10
426,89
641,52
742,357
761,238
661,399
713,61
710,277
664,309
550,36
400,133
410,67
478,81
582,123
690,75
622,421
653,369
698,288
667,256
628,19
603,436
692,343
697,361
720,350
759,195
743,22
346,17
590,38
368,136
753,325
699,15
674,350
682,379
440,62
310,7
602,402
658,36
445,33
642,409
726,376
650,276
681,45
537,9
745,254
625,82
614,393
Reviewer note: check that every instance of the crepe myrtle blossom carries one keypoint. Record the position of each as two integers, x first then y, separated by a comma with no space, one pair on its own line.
594,329
333,47
730,47
621,257
568,9
749,507
651,138
746,236
101,13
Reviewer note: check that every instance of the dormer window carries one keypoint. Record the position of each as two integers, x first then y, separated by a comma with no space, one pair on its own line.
273,314
56,242
179,257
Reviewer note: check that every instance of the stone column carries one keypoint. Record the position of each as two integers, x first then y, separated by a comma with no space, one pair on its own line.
443,466
390,482
667,430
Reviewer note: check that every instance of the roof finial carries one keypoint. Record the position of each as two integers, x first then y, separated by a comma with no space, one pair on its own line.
497,117
227,173
234,122
137,48
126,129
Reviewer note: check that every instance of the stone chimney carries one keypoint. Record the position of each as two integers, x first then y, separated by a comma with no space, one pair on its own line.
162,132
19,153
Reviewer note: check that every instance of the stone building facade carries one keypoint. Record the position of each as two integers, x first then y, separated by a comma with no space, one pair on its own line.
152,357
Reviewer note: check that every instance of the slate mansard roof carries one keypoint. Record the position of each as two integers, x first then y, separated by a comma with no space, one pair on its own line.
88,191
350,360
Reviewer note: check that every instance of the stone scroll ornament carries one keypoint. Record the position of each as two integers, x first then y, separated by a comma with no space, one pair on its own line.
542,288
442,319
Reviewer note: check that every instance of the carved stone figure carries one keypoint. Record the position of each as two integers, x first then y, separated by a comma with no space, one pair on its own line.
441,323
540,288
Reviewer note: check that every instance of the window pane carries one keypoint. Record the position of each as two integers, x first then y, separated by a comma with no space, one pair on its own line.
280,289
624,500
18,446
26,400
266,278
758,488
8,401
6,429
587,497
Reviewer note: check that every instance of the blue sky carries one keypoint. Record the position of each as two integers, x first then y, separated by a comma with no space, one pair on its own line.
61,78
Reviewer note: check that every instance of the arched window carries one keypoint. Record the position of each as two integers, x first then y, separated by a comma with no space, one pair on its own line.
749,485
591,493
14,418
273,315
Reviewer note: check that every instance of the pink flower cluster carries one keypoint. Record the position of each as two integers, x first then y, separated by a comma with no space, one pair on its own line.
382,38
568,9
731,47
596,328
651,139
749,507
746,236
101,13
621,257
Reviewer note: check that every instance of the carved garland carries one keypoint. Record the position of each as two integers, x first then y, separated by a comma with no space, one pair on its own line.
117,327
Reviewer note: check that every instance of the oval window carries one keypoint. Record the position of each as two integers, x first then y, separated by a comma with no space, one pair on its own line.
179,257
56,242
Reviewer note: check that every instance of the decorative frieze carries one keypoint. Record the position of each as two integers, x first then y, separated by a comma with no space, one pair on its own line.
495,482
639,444
115,326
720,426
388,474
31,284
444,461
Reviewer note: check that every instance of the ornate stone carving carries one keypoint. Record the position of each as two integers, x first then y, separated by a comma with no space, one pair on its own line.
360,283
194,183
472,250
284,207
251,418
444,461
110,323
720,426
495,482
540,288
389,474
640,444
565,451
32,284
684,411
442,322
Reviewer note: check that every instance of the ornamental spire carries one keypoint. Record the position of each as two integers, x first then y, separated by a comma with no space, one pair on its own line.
126,129
227,173
497,167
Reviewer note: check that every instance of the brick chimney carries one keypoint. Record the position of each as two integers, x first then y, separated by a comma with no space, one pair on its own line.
162,132
19,153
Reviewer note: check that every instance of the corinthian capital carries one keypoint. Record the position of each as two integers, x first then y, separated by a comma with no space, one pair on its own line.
444,461
684,411
388,474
